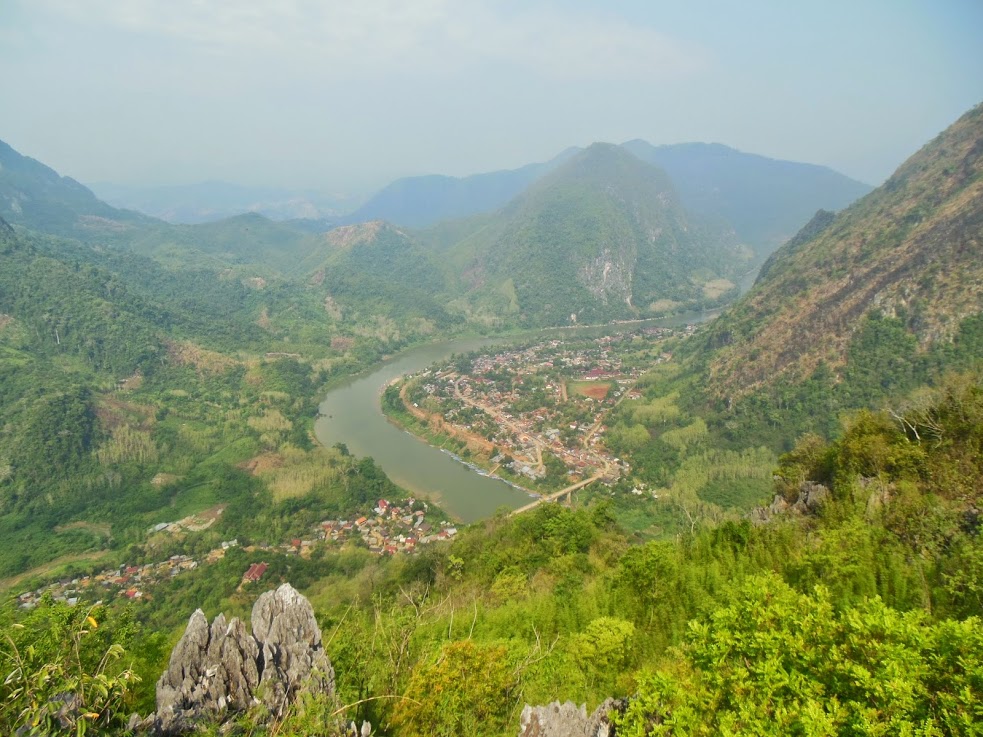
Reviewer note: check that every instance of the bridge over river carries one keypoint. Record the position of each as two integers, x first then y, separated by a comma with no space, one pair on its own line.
556,495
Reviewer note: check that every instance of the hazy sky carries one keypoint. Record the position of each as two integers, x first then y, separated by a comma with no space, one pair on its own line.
347,94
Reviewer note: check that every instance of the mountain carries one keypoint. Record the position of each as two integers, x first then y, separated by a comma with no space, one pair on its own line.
209,201
910,252
765,200
421,201
37,197
374,270
602,237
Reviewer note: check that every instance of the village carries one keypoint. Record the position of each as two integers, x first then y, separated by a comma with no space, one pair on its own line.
390,528
536,410
528,409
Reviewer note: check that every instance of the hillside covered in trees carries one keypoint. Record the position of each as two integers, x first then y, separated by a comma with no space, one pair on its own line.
805,557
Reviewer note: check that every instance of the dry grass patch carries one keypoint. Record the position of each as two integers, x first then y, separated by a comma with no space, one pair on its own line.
127,443
294,472
112,412
664,305
101,529
164,479
185,353
597,390
717,287
272,420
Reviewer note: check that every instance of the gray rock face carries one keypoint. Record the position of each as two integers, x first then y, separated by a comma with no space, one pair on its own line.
292,653
222,668
568,720
809,499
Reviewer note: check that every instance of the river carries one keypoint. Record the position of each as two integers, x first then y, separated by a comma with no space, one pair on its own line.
352,414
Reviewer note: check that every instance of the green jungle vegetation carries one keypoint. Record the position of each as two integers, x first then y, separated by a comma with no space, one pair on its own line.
132,394
861,618
137,390
580,241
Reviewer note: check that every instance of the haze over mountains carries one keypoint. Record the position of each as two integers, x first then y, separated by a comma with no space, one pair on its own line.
593,234
712,179
210,201
152,372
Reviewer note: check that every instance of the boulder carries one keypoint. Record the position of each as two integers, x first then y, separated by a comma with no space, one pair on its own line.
292,655
225,668
569,720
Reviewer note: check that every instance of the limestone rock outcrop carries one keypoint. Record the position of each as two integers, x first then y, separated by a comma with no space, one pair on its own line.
569,720
224,668
809,499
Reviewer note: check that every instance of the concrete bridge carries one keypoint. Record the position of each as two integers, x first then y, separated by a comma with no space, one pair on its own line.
557,494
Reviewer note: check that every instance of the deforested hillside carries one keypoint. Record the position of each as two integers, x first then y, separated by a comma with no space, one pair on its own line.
911,251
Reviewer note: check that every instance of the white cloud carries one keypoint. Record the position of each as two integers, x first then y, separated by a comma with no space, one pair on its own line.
358,37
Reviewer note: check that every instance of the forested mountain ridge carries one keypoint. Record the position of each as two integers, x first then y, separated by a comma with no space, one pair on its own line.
424,200
911,250
764,200
601,237
36,196
375,271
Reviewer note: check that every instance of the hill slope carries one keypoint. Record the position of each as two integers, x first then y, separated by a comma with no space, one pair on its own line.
602,237
765,200
37,197
912,249
374,270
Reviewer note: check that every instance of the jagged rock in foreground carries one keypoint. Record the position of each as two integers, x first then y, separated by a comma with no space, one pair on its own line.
569,720
223,668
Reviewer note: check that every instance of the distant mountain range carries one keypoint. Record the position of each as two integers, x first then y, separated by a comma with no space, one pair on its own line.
210,201
421,201
764,200
606,232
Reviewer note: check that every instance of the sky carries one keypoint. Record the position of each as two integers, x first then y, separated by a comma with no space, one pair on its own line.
345,95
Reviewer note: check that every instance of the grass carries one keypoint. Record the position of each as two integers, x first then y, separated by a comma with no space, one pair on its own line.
741,493
294,472
593,389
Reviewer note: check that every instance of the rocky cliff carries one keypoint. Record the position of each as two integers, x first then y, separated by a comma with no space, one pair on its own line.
223,668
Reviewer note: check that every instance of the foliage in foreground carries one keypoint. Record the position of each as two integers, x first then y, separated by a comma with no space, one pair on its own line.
777,662
861,619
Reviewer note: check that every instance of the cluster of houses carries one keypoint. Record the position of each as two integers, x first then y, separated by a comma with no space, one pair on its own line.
498,384
394,528
130,582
